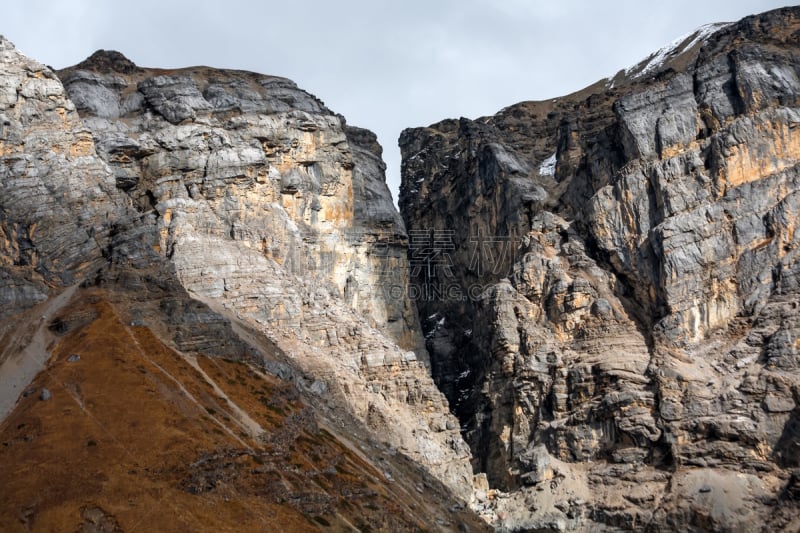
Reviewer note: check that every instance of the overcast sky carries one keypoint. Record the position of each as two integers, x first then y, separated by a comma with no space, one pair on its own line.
383,65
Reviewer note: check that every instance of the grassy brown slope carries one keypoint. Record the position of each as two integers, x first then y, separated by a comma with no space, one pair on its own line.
139,437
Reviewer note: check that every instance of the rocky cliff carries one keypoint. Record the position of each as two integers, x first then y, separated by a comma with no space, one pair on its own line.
608,284
201,213
271,208
210,304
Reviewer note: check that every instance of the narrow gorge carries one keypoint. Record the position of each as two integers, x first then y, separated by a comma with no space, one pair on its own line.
584,316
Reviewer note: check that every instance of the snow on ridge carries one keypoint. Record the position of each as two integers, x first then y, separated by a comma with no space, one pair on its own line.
548,166
658,58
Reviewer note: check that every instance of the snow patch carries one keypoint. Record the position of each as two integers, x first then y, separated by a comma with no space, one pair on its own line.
439,324
663,54
548,166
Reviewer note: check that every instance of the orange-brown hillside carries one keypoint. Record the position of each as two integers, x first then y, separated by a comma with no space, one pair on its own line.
137,436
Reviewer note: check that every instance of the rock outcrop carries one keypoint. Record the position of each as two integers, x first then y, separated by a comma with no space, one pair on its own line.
586,319
273,210
609,288
58,199
235,216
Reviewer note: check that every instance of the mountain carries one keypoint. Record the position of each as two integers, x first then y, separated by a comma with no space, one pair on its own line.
202,328
611,307
586,318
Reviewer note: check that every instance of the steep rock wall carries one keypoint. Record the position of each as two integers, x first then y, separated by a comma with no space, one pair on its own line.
215,203
58,199
272,209
624,261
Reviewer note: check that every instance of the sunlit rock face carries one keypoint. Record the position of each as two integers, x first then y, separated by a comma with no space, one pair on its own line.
275,211
58,198
255,162
245,209
626,261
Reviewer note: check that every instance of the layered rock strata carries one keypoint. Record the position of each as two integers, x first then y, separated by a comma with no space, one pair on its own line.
58,199
274,210
220,198
620,349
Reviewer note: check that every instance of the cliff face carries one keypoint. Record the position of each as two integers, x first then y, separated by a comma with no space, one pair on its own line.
609,283
270,208
235,157
49,175
227,214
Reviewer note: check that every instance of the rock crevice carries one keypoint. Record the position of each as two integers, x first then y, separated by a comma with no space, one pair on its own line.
634,239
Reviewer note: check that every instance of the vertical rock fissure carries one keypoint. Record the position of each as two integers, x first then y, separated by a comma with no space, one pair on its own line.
642,341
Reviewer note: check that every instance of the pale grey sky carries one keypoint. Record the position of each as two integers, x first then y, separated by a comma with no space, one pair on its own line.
383,65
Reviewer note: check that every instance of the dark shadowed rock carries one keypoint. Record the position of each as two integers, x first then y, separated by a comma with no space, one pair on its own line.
108,61
633,264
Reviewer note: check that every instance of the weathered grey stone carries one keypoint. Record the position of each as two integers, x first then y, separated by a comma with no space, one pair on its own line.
176,98
645,322
59,198
273,211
